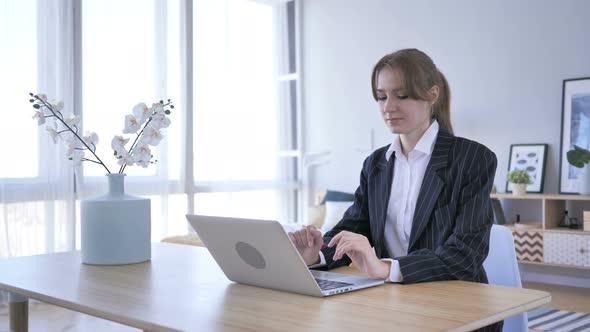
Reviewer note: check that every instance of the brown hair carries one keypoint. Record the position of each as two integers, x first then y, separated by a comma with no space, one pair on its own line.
419,75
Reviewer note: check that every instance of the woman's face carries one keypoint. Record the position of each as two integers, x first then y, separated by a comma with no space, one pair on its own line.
401,114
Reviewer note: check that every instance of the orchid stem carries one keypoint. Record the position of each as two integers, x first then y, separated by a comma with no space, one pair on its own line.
73,132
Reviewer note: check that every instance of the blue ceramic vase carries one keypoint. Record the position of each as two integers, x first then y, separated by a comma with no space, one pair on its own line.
115,228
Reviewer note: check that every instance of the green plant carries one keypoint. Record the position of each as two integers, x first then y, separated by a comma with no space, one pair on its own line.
578,156
519,176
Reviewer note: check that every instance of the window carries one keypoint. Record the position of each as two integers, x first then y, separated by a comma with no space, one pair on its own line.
238,155
18,65
245,124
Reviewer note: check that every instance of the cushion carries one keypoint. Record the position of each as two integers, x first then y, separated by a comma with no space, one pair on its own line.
337,196
334,213
316,215
190,239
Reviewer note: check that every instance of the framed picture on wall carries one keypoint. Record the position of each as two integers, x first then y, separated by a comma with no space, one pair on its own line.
531,158
575,130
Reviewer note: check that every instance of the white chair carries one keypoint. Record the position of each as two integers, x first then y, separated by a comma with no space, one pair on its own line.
502,269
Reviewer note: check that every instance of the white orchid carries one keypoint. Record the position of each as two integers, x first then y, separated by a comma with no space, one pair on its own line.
57,105
142,151
152,136
142,154
65,129
125,158
91,139
40,117
159,120
143,163
52,130
74,151
132,124
157,108
141,112
118,143
72,120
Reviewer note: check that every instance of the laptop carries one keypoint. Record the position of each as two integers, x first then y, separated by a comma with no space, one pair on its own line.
260,253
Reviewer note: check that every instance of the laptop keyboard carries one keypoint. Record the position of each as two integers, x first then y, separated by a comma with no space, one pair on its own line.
329,284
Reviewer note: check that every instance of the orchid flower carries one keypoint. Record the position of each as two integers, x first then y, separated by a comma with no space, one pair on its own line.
72,120
74,151
118,143
142,151
52,130
57,105
159,121
40,117
125,158
132,124
141,112
152,136
91,138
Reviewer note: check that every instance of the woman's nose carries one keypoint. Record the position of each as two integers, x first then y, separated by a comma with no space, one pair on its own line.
389,105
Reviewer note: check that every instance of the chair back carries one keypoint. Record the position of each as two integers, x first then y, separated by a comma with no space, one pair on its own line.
502,269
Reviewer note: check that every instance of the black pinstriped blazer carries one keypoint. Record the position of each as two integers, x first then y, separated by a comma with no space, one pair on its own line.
453,216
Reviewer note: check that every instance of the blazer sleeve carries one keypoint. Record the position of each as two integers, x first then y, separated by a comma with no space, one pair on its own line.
462,254
355,219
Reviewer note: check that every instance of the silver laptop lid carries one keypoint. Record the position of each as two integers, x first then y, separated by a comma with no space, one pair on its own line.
255,252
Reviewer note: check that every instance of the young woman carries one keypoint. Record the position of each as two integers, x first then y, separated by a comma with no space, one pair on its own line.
423,202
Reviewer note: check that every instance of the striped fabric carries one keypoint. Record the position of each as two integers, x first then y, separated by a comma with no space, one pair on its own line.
555,320
452,219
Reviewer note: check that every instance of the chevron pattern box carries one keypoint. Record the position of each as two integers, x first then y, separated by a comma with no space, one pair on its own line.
528,245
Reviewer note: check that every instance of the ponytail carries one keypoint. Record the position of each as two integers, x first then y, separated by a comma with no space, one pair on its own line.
441,110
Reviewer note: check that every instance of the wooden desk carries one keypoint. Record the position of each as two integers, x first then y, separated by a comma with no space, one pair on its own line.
182,288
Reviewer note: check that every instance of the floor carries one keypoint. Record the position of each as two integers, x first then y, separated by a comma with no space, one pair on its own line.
563,297
47,318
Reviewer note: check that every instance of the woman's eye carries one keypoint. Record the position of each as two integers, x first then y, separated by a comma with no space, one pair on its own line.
381,98
402,97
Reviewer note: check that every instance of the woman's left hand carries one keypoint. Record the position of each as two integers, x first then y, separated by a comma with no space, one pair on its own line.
358,248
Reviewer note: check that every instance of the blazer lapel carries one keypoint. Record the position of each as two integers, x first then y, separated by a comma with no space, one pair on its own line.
431,186
382,183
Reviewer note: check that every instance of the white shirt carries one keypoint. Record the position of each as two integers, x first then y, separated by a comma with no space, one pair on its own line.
408,174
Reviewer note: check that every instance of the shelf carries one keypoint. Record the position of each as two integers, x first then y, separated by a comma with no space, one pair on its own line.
541,196
526,226
538,228
510,196
555,265
567,230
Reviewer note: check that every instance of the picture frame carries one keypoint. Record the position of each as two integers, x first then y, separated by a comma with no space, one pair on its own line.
532,158
575,130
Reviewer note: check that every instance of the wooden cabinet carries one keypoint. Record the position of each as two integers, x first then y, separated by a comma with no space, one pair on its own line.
543,241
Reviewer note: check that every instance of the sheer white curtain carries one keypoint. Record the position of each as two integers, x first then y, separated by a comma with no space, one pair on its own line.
131,54
37,198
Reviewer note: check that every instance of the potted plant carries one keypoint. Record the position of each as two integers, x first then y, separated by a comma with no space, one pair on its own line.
580,158
519,180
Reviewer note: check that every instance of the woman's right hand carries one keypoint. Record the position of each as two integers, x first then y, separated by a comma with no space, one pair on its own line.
308,242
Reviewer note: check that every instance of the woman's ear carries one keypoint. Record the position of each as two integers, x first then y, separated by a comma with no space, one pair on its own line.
434,93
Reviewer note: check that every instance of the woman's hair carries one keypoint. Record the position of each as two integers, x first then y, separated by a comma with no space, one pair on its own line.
419,75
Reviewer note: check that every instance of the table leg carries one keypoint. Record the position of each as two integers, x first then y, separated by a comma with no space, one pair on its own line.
19,313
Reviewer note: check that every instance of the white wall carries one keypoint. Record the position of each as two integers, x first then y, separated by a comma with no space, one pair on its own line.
505,62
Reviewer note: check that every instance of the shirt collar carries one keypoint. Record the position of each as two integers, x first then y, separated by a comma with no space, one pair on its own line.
424,145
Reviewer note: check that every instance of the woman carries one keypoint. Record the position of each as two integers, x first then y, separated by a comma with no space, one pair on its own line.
423,201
